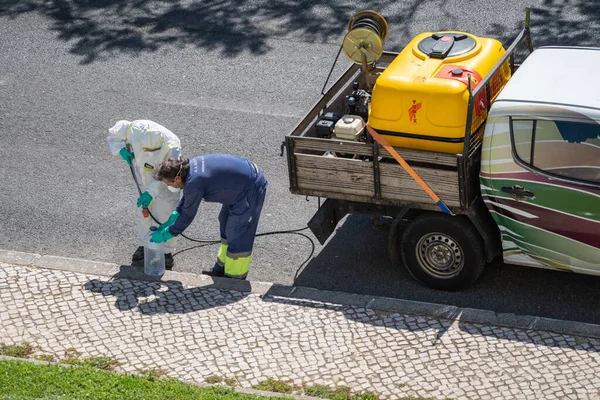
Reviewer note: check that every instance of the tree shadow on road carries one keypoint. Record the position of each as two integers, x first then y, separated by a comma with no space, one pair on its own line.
98,28
557,23
161,297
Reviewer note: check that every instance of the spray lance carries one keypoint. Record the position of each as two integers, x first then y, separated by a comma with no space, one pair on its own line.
145,211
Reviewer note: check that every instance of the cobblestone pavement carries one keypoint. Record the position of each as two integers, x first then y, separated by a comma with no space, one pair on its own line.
196,332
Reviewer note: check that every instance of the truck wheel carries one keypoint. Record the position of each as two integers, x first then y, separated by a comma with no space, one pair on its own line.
442,251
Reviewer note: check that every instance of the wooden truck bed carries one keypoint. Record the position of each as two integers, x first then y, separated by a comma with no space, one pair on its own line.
365,172
369,181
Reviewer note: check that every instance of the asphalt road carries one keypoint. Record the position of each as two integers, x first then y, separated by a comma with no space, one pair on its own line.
229,76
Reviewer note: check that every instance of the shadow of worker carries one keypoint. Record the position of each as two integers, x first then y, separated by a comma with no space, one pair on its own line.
134,290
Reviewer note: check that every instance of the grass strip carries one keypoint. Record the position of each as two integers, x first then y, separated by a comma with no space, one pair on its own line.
26,380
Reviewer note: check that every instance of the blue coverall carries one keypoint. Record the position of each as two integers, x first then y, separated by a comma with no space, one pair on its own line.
240,186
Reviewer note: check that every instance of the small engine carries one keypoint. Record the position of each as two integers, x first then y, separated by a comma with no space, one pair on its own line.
349,127
346,127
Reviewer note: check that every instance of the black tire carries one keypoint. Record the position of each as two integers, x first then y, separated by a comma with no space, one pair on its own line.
442,251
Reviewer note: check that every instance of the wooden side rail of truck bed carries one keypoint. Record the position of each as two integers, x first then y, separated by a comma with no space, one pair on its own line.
375,178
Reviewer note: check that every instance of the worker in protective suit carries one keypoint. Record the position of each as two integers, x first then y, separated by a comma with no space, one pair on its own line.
143,144
235,182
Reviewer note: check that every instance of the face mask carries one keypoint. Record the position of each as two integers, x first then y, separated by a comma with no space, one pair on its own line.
173,189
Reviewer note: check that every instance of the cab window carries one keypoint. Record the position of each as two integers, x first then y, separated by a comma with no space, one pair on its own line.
566,149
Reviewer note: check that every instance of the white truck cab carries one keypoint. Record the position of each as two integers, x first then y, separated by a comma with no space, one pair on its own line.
540,162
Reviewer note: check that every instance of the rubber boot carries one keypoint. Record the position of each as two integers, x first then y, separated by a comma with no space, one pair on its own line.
216,270
139,254
169,262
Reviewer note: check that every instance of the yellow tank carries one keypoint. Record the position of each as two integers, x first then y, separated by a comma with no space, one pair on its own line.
420,100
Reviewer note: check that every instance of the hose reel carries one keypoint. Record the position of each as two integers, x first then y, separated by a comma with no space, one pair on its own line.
363,44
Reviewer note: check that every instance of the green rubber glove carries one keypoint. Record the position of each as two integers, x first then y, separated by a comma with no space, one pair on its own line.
170,221
126,155
144,200
161,236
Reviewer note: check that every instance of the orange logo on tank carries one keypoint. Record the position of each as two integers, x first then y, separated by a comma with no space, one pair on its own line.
412,111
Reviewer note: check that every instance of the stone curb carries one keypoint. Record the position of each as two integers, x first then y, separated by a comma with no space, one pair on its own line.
472,315
241,390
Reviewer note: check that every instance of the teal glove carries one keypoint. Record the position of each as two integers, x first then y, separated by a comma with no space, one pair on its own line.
126,155
161,236
170,221
144,200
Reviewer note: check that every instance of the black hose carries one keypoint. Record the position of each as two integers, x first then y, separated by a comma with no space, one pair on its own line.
369,23
291,232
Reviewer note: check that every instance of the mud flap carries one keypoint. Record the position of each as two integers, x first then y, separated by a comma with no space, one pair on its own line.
323,223
487,228
394,236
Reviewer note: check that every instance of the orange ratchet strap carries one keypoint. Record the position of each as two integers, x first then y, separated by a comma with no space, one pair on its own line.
409,169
